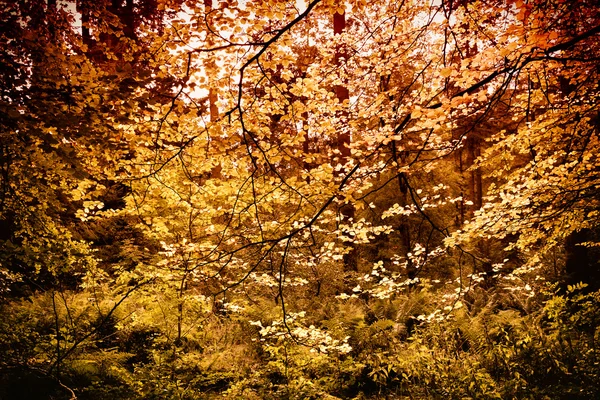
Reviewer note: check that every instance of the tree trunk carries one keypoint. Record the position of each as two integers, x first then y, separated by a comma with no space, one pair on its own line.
343,137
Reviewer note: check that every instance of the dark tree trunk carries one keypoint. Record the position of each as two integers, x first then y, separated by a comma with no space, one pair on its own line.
582,263
343,139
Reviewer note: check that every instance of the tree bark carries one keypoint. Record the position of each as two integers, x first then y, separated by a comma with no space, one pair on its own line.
347,210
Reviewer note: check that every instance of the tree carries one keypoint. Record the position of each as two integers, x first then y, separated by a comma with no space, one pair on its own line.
228,162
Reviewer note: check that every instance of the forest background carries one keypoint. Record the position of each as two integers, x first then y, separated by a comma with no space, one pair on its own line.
270,199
